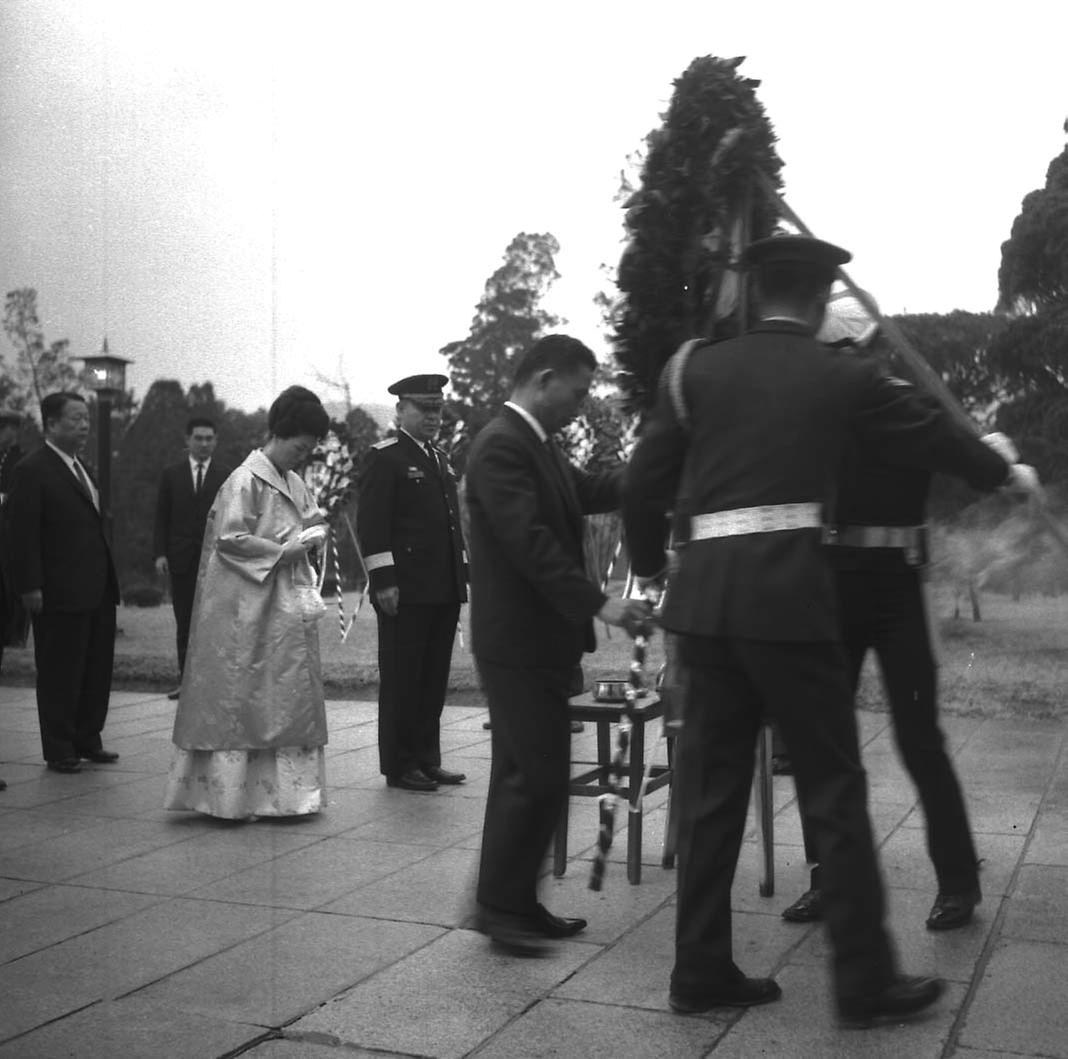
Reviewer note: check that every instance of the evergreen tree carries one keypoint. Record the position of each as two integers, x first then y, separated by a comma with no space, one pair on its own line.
507,320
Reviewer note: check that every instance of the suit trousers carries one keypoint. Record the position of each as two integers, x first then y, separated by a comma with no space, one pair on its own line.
183,589
886,610
414,657
529,772
74,652
735,685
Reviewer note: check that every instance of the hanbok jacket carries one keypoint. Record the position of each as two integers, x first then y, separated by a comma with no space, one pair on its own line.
253,678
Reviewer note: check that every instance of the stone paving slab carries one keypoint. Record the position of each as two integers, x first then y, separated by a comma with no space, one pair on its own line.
599,1031
286,972
181,935
1020,1003
130,1029
441,1002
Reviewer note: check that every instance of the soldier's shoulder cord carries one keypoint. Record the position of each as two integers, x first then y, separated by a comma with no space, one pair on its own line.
674,372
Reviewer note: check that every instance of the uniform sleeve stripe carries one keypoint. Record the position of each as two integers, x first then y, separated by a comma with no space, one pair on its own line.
378,560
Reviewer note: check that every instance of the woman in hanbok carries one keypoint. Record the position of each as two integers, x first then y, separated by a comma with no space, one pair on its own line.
251,722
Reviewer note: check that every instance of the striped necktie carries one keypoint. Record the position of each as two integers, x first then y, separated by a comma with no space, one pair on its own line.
83,479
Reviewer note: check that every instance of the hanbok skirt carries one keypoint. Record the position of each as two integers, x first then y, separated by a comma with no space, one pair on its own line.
241,784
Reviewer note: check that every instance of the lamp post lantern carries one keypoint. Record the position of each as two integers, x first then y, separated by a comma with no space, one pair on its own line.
106,375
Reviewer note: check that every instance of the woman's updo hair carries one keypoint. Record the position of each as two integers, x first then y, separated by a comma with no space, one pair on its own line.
295,411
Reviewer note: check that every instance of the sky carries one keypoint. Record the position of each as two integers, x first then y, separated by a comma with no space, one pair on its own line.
262,193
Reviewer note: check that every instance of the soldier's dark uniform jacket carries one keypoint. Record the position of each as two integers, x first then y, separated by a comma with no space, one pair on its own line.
879,520
408,523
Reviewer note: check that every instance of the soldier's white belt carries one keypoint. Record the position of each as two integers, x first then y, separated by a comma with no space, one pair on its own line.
876,536
771,518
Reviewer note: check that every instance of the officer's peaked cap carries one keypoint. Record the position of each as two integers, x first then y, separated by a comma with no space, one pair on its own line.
795,250
420,387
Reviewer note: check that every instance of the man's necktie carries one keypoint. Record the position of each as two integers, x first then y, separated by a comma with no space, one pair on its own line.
429,450
200,478
84,481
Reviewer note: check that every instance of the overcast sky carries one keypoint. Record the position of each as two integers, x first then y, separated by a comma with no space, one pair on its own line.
250,192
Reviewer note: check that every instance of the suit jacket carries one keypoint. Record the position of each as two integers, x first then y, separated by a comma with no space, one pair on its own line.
773,415
532,603
57,537
408,523
181,513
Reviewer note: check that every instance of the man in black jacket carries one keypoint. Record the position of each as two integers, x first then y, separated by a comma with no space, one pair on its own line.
186,492
13,623
877,547
65,574
408,524
532,610
751,433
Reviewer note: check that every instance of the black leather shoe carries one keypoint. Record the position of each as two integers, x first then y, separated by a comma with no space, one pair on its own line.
576,727
808,908
742,993
440,775
65,764
781,765
557,926
101,757
412,780
174,693
3,785
515,935
953,910
904,996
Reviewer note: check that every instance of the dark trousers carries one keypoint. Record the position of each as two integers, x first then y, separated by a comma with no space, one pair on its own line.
886,610
529,771
183,589
74,654
804,688
414,656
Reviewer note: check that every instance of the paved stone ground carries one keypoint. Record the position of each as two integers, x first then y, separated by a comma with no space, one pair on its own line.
128,931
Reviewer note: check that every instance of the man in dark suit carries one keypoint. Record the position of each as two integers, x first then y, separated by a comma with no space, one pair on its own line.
751,433
12,615
186,492
66,577
408,524
532,610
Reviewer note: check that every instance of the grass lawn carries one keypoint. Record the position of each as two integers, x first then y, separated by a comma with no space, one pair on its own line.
1012,662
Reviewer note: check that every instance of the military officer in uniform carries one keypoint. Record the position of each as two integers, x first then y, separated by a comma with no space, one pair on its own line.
751,433
878,550
408,524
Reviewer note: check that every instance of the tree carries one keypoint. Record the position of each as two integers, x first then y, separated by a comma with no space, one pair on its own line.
1031,354
507,319
362,430
40,368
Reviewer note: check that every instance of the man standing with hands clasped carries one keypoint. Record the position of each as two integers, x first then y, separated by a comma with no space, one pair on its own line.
186,492
532,611
408,524
64,572
751,432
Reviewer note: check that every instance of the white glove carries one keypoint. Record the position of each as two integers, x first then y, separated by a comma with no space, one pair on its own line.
1024,479
1002,445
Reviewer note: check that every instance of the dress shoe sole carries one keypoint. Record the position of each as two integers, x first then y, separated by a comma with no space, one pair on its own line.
688,1007
884,1017
420,789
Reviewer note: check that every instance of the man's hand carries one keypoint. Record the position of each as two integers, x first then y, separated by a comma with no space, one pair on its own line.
1002,445
630,614
33,601
1024,479
388,600
162,566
